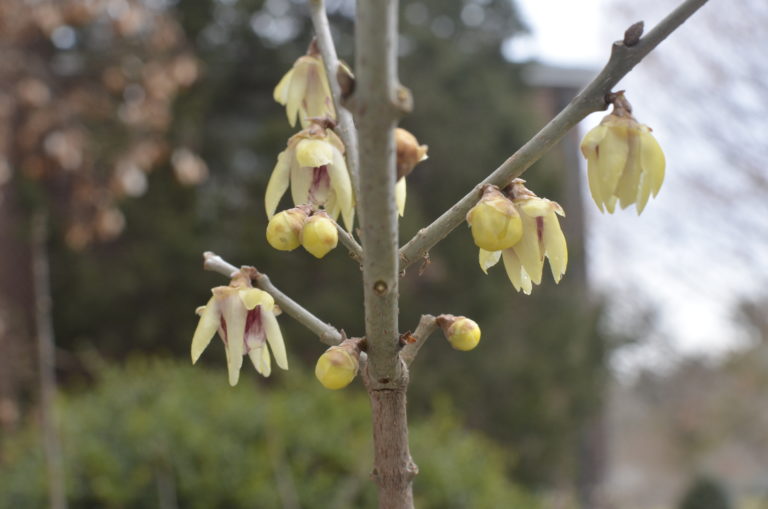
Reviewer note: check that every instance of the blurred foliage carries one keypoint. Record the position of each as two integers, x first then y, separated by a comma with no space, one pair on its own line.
705,493
157,434
539,370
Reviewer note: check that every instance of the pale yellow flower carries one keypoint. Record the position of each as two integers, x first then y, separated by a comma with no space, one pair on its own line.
245,319
304,91
542,238
313,166
625,163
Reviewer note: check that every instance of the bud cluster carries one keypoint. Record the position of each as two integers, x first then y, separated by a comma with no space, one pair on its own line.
295,227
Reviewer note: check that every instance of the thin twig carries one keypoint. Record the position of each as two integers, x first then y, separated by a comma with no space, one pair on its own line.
327,333
350,243
623,58
346,125
427,325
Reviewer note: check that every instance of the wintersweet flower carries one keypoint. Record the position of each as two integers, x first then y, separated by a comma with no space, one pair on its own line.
314,167
319,235
542,238
245,319
304,90
337,367
409,154
625,163
495,221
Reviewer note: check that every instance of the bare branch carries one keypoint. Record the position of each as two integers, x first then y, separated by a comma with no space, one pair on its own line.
346,125
327,333
623,58
350,243
427,325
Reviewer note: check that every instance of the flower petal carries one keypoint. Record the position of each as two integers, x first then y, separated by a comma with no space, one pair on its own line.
626,190
612,158
555,246
260,360
594,182
314,153
488,259
281,90
210,319
342,186
296,91
400,194
274,337
278,182
253,297
301,183
528,250
652,160
234,314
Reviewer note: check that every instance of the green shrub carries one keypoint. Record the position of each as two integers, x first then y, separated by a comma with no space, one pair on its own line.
705,493
156,434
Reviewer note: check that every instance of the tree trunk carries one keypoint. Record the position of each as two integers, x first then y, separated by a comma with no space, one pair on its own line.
46,349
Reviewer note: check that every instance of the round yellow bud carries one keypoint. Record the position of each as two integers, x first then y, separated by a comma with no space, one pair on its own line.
463,334
495,222
284,228
336,368
319,235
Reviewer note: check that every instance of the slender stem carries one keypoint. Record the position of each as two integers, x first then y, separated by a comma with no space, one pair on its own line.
327,333
346,238
427,325
623,58
46,346
346,125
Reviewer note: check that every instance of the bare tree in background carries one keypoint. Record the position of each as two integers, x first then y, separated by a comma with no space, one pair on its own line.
66,68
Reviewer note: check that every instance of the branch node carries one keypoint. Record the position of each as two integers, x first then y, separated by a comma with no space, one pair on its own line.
403,100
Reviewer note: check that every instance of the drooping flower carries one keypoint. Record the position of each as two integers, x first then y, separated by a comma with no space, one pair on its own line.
461,332
337,367
319,235
541,238
245,319
314,167
625,163
304,90
495,221
409,154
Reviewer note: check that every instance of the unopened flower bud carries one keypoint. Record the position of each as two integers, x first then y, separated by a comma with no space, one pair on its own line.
284,229
319,235
461,332
495,222
409,152
336,368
